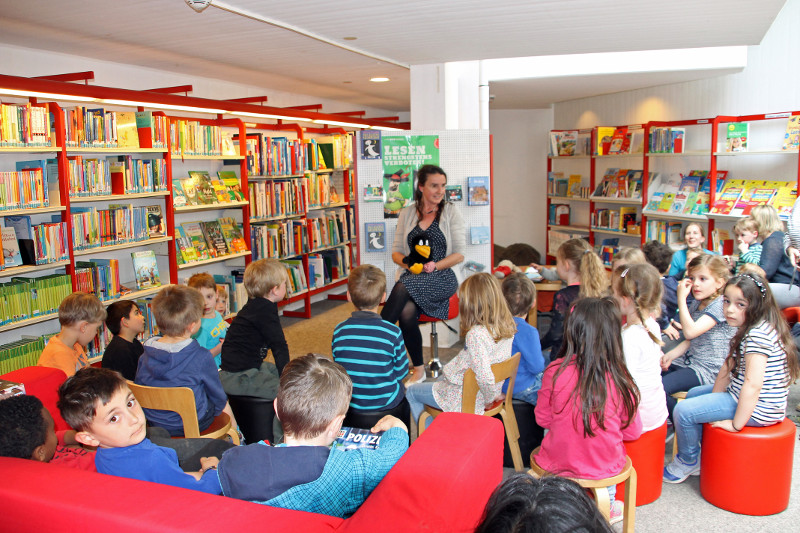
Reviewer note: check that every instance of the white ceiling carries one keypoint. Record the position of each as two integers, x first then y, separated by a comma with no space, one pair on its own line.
168,35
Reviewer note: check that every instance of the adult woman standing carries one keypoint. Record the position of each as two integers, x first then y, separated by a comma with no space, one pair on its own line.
428,292
776,264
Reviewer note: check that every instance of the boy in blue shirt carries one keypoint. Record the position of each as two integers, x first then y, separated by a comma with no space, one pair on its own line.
98,404
212,326
370,349
305,474
520,294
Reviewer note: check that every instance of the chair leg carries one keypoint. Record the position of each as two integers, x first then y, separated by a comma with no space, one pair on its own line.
603,501
629,513
434,366
512,433
421,424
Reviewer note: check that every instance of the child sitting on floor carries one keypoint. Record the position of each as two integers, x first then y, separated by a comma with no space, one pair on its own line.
520,294
305,474
122,354
370,349
176,360
80,315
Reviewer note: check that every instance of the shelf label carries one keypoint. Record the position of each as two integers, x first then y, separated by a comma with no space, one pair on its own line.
778,115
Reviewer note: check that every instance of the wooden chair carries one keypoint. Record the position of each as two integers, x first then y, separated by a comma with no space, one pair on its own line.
599,489
507,370
181,400
681,395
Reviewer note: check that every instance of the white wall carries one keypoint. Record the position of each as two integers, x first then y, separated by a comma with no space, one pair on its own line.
520,175
16,61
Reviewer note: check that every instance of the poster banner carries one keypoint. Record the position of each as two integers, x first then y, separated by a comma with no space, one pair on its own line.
402,156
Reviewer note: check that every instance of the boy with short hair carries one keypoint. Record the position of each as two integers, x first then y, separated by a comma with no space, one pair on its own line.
126,322
255,331
27,431
746,230
520,294
304,474
212,327
369,348
659,255
80,315
176,360
99,405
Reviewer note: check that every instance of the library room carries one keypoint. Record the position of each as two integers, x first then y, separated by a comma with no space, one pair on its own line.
353,235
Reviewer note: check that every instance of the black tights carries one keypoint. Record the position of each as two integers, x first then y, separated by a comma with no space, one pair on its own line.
400,306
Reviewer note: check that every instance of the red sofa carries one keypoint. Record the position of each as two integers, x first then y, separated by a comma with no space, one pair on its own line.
441,484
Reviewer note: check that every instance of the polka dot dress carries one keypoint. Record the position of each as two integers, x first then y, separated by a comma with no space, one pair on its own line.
431,292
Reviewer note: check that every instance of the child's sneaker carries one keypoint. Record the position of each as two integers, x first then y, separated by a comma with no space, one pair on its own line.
677,471
617,509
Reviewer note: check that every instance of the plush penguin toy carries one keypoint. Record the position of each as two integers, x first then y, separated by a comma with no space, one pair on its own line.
420,253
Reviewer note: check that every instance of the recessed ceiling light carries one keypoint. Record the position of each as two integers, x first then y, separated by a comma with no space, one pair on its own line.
349,38
379,80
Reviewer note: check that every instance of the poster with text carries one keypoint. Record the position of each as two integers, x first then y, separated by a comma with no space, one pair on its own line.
402,156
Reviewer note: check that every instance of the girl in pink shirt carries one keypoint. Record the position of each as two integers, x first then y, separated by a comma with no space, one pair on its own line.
588,399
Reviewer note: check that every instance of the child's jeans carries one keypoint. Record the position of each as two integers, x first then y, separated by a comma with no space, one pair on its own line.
531,394
701,406
418,397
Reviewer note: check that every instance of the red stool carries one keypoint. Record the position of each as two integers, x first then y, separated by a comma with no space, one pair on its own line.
647,456
749,472
434,366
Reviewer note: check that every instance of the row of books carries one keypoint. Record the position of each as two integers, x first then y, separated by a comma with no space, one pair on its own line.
327,266
23,298
21,353
620,183
25,188
119,224
667,140
190,137
198,241
684,194
274,156
663,231
622,219
273,198
26,244
740,196
200,188
24,125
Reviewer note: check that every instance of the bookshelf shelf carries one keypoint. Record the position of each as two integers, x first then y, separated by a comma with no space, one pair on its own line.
27,269
606,231
583,229
179,157
210,207
620,201
117,197
122,246
33,211
213,260
569,199
29,149
28,322
118,150
674,216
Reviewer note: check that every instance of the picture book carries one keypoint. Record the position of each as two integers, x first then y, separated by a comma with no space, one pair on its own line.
375,234
354,438
127,134
178,195
737,137
217,246
11,254
479,234
145,268
478,190
232,234
155,221
203,187
187,252
574,185
791,141
194,232
453,193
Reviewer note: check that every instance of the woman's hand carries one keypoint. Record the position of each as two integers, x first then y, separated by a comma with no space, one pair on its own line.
684,288
727,425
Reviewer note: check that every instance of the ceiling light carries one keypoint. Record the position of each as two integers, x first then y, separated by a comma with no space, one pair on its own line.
337,123
379,80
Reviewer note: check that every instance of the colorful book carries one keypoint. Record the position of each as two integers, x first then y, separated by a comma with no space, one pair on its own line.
145,269
736,139
194,232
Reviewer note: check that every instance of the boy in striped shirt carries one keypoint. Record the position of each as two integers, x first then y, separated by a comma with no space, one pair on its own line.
370,349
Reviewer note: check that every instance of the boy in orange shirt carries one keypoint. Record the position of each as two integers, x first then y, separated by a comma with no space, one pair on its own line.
80,315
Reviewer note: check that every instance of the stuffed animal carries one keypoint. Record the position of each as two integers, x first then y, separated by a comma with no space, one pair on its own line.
504,268
420,253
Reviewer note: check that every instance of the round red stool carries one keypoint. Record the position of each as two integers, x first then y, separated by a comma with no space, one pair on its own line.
647,456
749,472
